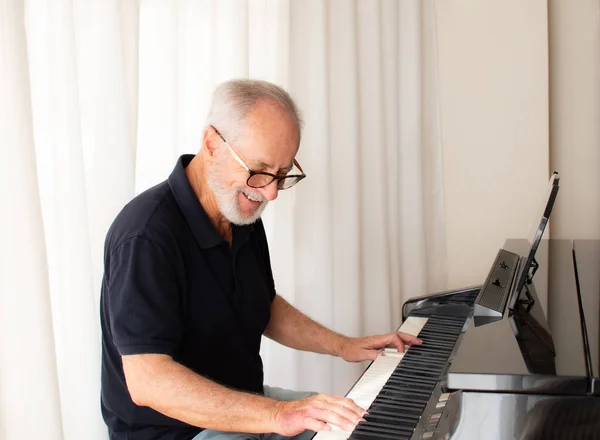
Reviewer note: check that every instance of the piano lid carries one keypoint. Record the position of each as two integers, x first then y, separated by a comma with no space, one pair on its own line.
539,347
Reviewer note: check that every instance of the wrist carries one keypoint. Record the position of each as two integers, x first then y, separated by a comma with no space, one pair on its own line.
276,416
339,347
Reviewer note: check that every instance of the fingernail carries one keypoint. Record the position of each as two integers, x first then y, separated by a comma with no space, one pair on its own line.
361,420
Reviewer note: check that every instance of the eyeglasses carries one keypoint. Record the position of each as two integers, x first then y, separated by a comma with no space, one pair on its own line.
260,179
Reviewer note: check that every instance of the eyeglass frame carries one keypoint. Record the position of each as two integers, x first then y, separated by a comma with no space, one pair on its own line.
264,173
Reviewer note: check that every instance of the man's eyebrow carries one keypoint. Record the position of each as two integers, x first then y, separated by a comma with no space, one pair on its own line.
262,165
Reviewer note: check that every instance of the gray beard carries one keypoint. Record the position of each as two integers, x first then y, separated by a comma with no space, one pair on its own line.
227,201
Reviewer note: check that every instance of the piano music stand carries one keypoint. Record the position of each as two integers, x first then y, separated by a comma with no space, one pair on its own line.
528,265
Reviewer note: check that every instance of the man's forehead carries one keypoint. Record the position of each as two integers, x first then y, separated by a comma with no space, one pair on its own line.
265,165
269,153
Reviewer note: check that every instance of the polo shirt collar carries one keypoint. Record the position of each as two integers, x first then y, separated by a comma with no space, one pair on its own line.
205,233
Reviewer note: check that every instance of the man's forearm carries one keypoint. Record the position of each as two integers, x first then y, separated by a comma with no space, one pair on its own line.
170,388
290,327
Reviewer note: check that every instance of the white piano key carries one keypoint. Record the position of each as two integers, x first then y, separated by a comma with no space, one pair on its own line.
374,378
413,325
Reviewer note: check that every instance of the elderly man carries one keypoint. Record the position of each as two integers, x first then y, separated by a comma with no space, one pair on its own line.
188,291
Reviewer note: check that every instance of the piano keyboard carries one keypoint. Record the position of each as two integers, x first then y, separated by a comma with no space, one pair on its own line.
397,386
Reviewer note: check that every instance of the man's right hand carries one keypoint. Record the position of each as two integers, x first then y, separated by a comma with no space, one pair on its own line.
315,412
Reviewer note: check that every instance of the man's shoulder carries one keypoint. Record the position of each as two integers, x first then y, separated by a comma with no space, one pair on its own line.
153,214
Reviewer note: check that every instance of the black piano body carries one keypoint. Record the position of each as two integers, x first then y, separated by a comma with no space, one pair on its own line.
531,372
498,366
516,358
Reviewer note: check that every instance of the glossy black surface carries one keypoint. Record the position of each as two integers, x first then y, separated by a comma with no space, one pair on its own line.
503,416
540,346
588,263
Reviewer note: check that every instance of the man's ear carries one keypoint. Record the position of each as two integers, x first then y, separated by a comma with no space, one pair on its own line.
210,142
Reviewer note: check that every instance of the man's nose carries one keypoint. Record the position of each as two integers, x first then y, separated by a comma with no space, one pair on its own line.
270,191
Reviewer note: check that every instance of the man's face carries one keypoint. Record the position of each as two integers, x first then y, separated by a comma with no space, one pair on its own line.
268,143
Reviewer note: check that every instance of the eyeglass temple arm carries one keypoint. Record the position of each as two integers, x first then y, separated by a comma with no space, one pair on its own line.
233,153
298,166
236,157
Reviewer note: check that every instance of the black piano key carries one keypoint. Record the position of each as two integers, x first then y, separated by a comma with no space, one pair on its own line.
405,391
401,394
420,360
394,419
411,373
442,324
375,428
447,339
377,436
408,414
443,328
404,404
442,336
428,359
438,336
411,414
412,408
421,367
437,343
403,384
419,370
396,410
420,379
425,351
446,350
426,379
398,405
417,366
387,398
385,426
439,351
389,421
428,386
423,359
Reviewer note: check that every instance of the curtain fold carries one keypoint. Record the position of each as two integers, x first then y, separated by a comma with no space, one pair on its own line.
28,373
120,89
55,48
344,184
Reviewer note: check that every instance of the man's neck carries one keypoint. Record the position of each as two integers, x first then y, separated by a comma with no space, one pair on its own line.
197,177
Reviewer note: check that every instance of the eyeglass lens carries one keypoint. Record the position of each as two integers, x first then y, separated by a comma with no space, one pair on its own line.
261,180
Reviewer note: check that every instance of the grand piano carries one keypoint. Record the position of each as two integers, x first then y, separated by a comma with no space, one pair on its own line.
514,358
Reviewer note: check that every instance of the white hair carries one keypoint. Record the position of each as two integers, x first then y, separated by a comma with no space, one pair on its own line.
232,100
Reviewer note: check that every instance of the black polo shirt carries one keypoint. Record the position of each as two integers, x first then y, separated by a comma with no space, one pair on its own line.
172,285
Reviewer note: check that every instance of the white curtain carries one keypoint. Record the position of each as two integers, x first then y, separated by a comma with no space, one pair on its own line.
99,97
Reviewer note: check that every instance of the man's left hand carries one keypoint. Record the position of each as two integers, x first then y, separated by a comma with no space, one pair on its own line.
368,348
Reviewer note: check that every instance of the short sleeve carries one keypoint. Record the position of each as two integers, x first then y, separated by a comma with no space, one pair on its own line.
144,300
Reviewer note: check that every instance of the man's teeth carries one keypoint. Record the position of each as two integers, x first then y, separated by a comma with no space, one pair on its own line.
253,198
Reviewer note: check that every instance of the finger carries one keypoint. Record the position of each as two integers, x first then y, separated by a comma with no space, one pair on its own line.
349,404
332,415
397,341
370,355
410,339
316,425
